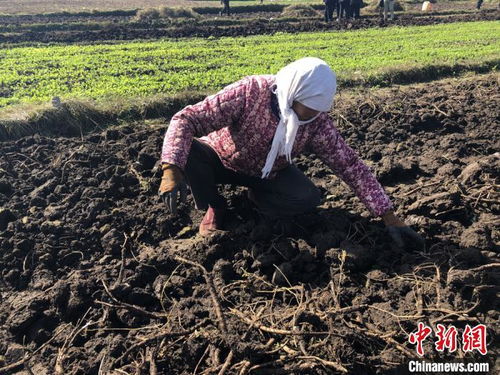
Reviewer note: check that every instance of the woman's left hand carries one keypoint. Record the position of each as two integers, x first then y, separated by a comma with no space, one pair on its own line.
402,235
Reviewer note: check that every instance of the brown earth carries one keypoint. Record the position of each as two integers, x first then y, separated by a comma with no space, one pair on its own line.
440,6
96,276
114,29
50,6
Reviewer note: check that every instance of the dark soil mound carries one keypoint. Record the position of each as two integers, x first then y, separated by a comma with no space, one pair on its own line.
95,275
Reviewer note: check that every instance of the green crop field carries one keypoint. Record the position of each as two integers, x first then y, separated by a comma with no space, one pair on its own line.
137,69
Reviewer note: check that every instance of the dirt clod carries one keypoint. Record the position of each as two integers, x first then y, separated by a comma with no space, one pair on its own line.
97,274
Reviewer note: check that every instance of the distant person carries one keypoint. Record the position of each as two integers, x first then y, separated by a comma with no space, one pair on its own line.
338,8
381,8
427,6
388,6
330,6
355,8
226,7
479,4
344,9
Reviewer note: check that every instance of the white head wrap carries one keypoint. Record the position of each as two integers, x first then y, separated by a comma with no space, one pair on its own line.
309,81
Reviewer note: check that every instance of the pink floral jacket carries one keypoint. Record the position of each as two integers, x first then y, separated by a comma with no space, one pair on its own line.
239,124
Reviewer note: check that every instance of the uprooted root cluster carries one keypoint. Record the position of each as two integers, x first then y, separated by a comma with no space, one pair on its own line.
97,279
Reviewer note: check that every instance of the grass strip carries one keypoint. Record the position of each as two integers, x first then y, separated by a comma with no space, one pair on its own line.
140,69
78,117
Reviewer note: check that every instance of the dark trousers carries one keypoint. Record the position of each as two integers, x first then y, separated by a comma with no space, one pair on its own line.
329,8
225,9
289,193
344,9
338,8
355,9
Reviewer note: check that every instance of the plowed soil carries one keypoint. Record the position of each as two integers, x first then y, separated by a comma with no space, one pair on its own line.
96,277
190,28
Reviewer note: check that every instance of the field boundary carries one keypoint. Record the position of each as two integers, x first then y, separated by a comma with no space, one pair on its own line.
76,117
238,9
181,21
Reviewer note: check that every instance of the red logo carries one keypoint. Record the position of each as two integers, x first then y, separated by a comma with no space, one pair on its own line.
447,338
472,338
419,337
475,338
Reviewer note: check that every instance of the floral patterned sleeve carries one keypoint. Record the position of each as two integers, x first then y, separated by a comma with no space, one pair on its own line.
214,112
331,148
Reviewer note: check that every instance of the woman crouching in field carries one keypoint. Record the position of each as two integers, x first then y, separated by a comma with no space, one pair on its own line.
247,135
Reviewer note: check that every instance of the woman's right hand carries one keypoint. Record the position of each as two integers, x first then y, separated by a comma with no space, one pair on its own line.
172,183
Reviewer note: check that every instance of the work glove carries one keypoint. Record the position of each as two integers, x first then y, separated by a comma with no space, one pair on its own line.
406,238
172,183
403,236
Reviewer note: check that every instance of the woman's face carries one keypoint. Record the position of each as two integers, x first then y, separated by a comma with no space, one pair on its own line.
303,113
